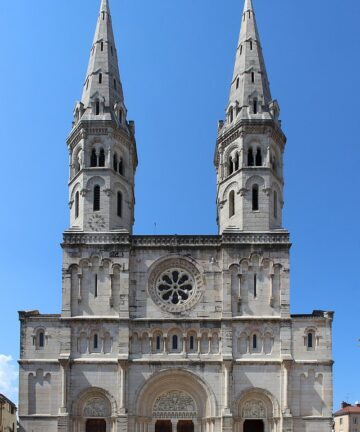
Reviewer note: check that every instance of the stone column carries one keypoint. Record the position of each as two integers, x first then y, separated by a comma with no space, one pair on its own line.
79,287
286,369
271,299
64,365
122,368
226,386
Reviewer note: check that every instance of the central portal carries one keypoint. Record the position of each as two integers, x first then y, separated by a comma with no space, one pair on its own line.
254,426
163,426
96,425
167,426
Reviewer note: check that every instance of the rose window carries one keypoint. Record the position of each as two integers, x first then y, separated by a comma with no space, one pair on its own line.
175,286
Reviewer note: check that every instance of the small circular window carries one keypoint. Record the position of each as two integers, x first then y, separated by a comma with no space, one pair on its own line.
175,285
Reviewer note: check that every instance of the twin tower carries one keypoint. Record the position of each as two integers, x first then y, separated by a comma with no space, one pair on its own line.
248,156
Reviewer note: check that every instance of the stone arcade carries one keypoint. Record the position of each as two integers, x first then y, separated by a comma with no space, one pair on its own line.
176,333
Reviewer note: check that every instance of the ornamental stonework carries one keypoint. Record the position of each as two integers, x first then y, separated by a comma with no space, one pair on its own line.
175,285
174,404
254,409
96,408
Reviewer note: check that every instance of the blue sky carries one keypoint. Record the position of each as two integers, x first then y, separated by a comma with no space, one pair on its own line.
176,61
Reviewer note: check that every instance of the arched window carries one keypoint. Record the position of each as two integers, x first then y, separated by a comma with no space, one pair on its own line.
231,114
102,158
310,342
41,339
121,167
231,204
258,158
250,157
102,46
158,343
100,78
96,198
275,205
252,77
96,341
115,162
192,343
93,161
175,342
236,162
119,204
237,83
231,165
255,198
251,45
76,205
255,107
254,342
97,109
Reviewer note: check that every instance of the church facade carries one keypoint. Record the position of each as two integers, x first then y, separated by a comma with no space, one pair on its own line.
176,333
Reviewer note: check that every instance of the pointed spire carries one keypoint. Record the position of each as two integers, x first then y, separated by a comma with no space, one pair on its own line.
250,95
102,83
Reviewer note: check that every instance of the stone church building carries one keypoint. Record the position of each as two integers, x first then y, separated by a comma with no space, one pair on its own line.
176,333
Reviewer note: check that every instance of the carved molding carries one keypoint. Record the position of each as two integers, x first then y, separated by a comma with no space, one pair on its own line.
174,404
253,409
96,408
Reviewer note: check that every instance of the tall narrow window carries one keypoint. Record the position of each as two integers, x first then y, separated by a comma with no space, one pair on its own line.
252,77
41,339
254,342
103,15
158,343
97,108
115,162
93,161
121,167
236,162
255,285
251,45
115,84
119,204
231,115
102,158
255,107
120,116
175,342
96,198
237,83
96,341
241,49
231,204
310,340
258,158
76,205
102,46
250,157
96,286
192,344
112,50
255,198
275,205
87,83
100,78
231,165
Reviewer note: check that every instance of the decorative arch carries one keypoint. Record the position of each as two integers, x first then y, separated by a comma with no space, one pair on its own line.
180,381
254,180
232,186
256,403
96,180
94,393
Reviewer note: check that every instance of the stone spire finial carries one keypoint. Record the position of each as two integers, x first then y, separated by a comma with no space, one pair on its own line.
102,83
250,95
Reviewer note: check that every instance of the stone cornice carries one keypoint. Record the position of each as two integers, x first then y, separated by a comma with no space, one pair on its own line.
176,241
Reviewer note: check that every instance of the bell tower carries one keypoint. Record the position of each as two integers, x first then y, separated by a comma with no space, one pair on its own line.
102,147
250,143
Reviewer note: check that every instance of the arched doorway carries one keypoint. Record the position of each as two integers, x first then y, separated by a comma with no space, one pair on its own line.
163,426
96,425
254,426
185,426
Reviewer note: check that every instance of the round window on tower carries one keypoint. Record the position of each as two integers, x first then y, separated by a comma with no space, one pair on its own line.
175,285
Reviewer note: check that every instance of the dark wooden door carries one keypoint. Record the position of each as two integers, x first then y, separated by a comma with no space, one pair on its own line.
96,425
254,426
163,426
185,426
